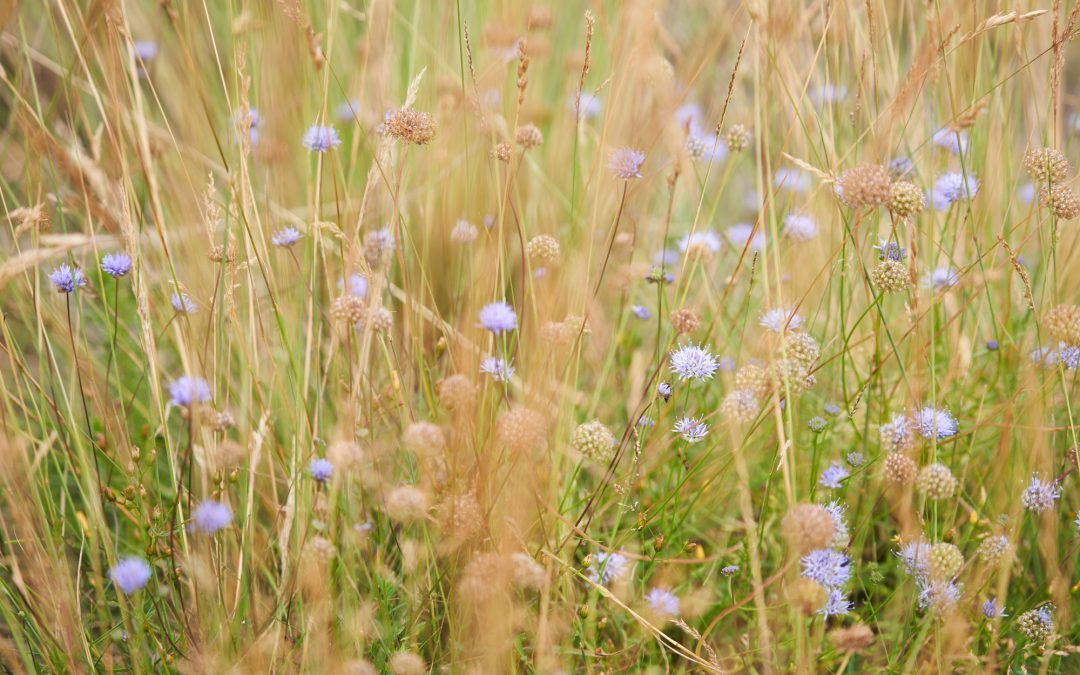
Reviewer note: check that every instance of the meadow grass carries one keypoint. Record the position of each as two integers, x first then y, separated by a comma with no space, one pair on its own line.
355,336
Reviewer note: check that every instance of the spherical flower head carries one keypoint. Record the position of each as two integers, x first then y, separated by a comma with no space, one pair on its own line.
411,126
906,199
498,368
953,187
1037,625
855,459
899,469
780,320
1063,323
498,317
832,409
1040,496
321,469
320,138
116,265
1046,165
595,441
186,391
944,560
699,244
608,567
817,424
211,516
943,278
866,185
836,604
691,429
890,276
833,476
183,304
663,602
937,482
626,163
145,50
130,574
807,527
285,237
915,557
739,406
66,279
799,227
664,390
740,234
641,311
933,423
955,141
831,569
693,362
898,434
590,106
991,609
729,570
993,549
938,594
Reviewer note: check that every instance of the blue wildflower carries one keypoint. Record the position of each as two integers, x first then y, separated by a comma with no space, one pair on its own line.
116,265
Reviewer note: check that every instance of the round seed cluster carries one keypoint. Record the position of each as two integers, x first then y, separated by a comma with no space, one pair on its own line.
806,595
1046,165
406,504
993,550
753,379
521,430
595,441
1036,625
856,638
349,309
899,469
891,276
423,439
345,455
456,392
802,348
1063,323
411,126
544,250
462,516
937,482
864,185
381,320
739,406
906,199
1063,202
807,527
502,152
528,136
945,561
737,138
685,321
789,376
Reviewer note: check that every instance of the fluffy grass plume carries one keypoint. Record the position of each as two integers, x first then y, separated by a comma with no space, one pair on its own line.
405,336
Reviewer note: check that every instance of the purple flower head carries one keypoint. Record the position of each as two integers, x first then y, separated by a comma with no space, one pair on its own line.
130,574
66,279
953,141
626,163
116,265
729,570
662,601
780,320
347,110
498,317
831,569
953,187
211,516
664,389
741,233
933,423
498,368
991,610
834,476
937,594
1040,496
321,469
691,429
607,567
943,278
706,240
285,237
891,250
186,390
817,424
591,106
692,362
145,50
183,304
641,311
915,557
1049,357
836,604
837,511
321,138
832,409
799,227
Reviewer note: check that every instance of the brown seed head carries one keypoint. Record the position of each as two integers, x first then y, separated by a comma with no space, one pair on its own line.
411,126
684,321
906,199
1046,165
807,527
864,185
